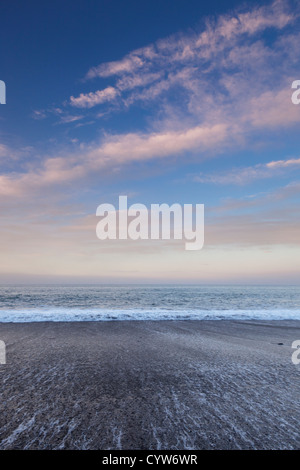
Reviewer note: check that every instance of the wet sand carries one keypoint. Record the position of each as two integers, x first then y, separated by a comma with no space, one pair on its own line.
150,385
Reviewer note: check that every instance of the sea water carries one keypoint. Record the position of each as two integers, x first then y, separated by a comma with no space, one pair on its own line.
21,303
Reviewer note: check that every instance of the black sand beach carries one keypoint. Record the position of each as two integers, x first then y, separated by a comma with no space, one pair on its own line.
150,385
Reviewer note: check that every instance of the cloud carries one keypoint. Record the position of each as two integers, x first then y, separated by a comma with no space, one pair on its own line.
241,176
109,154
128,64
4,151
128,82
38,114
224,73
215,38
284,163
272,109
67,119
262,200
133,146
90,100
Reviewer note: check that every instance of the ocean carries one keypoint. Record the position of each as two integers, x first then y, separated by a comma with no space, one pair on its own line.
21,303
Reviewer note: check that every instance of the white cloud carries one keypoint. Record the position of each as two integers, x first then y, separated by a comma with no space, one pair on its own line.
128,64
89,100
292,162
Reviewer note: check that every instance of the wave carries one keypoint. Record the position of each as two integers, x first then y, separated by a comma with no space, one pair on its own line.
154,314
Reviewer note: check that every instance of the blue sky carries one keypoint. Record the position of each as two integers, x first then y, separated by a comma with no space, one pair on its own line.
170,101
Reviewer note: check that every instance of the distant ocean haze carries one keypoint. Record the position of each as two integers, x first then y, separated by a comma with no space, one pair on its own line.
109,303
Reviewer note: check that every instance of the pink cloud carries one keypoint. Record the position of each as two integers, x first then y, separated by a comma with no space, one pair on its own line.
242,176
128,64
92,99
114,150
284,163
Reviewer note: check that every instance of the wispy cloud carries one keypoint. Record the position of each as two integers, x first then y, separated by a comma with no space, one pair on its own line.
229,45
217,36
282,194
4,151
112,152
222,75
92,99
292,162
66,119
242,176
39,114
128,64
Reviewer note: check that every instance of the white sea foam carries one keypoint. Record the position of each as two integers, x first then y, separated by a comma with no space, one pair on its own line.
74,314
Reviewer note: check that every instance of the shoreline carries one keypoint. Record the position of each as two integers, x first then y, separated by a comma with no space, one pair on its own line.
141,384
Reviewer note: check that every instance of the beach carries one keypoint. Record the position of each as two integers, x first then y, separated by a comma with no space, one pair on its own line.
150,385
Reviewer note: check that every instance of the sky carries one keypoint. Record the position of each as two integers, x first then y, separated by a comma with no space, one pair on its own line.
166,101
